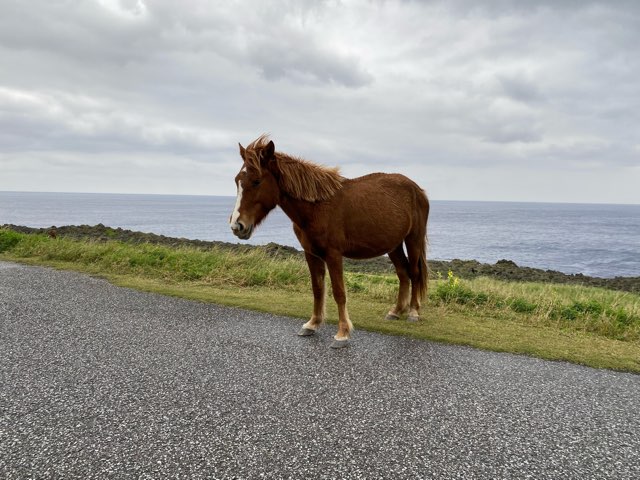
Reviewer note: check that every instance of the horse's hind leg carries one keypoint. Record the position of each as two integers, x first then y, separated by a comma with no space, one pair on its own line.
317,269
399,260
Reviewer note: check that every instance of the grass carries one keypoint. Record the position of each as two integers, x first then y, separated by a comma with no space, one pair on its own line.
590,326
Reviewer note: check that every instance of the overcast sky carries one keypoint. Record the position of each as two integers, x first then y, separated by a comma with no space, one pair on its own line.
495,100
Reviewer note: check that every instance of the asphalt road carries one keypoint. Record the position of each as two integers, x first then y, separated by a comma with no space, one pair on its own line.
98,381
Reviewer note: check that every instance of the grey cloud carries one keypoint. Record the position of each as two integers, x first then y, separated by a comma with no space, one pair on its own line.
307,63
87,32
69,122
438,85
510,133
76,29
520,89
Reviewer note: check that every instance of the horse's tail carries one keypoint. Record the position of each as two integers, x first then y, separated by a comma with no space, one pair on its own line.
422,263
424,272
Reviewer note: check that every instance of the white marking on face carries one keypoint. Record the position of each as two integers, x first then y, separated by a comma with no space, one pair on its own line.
236,210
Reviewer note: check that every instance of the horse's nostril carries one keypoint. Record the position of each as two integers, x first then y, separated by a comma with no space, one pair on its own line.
240,226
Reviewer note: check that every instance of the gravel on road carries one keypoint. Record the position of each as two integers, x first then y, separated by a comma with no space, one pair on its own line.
98,381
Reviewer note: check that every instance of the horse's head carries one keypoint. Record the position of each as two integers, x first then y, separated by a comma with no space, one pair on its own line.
258,191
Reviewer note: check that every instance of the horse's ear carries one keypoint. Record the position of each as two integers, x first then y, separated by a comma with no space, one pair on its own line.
268,159
267,153
241,150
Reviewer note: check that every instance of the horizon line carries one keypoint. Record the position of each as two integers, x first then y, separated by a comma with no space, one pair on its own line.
232,196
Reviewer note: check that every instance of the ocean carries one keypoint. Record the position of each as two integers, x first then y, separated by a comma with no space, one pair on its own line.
593,239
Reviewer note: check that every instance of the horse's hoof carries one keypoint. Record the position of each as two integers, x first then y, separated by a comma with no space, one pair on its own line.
340,343
392,316
413,318
306,332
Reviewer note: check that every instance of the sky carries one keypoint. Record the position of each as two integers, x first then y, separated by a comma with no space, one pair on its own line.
495,100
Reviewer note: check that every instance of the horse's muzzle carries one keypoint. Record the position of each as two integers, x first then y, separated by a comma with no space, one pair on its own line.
242,231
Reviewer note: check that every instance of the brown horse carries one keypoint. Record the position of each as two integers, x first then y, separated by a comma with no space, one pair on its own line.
335,217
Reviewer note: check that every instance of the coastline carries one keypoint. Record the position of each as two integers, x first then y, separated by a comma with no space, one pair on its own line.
505,270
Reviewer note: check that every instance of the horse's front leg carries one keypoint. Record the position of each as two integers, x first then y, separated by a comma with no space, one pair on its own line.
317,269
334,262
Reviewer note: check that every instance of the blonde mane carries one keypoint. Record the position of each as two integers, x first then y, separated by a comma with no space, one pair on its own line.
301,179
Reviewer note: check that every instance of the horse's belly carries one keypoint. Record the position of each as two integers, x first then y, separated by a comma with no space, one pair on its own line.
362,254
369,249
372,239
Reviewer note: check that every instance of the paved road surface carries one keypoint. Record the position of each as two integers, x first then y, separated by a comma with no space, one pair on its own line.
98,381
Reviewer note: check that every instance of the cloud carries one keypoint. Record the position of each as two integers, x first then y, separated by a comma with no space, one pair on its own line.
520,89
541,86
306,64
80,123
129,9
116,33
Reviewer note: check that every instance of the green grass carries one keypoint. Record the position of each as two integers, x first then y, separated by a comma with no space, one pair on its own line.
590,326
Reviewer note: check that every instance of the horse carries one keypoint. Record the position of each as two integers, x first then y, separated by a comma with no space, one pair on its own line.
335,217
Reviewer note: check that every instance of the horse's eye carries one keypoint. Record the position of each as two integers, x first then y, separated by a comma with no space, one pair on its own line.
255,183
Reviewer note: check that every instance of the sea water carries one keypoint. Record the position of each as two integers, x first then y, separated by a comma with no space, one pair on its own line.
593,239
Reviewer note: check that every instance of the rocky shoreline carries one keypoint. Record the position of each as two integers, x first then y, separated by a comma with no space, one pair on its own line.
503,269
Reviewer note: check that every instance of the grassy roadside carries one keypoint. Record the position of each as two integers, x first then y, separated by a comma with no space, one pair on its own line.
586,325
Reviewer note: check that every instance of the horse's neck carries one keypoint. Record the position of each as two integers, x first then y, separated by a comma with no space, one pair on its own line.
299,212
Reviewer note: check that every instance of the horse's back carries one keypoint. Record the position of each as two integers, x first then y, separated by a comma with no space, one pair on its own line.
376,212
385,180
385,192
